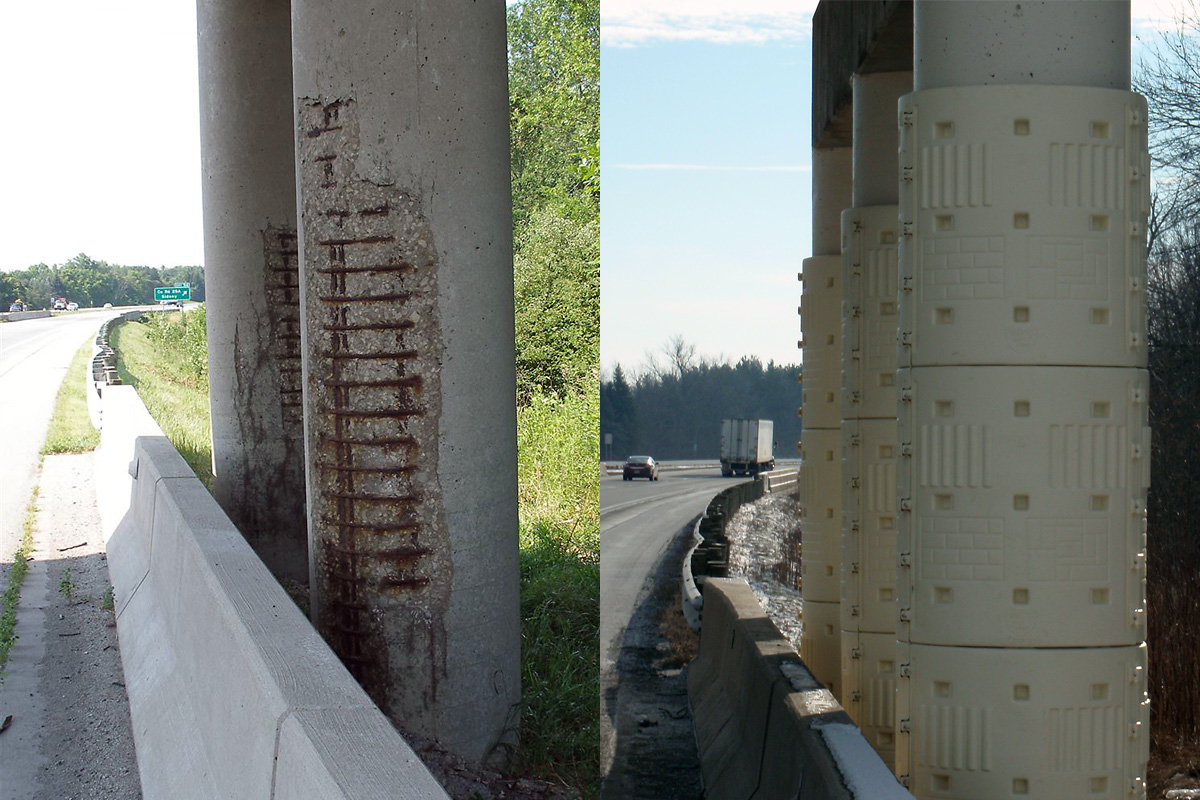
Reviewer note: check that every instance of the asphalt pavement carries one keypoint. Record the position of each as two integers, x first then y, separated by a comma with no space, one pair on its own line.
641,522
34,355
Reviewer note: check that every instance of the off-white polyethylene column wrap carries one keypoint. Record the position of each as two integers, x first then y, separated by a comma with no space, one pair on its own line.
1042,723
821,514
821,330
1023,441
870,237
820,468
1031,204
870,665
1028,498
821,643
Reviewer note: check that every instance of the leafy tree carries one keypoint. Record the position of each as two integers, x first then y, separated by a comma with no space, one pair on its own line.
554,91
557,283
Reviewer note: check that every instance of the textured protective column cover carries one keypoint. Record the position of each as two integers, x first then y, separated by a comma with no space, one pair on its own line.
1042,723
1028,497
1024,442
870,241
1030,202
821,514
821,329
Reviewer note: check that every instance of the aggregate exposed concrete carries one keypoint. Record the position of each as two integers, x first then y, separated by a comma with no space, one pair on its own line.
406,292
1003,42
251,275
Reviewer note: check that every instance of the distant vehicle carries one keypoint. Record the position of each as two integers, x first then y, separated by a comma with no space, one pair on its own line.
170,303
108,305
747,446
72,306
60,304
640,467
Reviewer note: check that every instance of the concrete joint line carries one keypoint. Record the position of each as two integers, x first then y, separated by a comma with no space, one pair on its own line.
275,750
150,554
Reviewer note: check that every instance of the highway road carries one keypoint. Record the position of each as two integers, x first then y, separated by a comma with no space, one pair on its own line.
34,355
639,522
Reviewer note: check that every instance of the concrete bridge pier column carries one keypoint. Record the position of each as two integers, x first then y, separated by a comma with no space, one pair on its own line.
821,437
870,241
401,125
1023,405
253,301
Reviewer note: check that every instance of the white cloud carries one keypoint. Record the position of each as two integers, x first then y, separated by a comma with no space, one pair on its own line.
628,23
713,167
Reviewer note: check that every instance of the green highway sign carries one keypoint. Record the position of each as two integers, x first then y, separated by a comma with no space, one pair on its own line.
172,293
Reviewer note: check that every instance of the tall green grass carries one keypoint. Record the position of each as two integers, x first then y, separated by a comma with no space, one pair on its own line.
558,466
166,359
71,428
16,577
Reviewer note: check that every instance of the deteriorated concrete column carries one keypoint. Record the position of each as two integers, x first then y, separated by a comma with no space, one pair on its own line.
870,241
251,275
1023,405
820,466
410,420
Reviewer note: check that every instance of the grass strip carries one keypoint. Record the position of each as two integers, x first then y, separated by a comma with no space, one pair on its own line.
559,485
560,667
71,428
175,396
16,576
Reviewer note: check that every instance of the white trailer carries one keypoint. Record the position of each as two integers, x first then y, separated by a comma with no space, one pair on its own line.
747,446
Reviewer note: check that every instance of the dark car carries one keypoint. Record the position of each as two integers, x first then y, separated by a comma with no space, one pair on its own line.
640,467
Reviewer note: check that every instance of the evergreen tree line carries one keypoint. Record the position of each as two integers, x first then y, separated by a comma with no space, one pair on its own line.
92,283
675,412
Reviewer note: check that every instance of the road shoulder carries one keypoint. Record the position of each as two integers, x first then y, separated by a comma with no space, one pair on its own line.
70,734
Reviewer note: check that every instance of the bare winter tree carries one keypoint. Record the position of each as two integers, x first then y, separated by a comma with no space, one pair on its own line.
1170,80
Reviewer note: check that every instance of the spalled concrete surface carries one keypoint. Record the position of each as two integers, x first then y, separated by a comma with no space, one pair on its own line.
407,304
232,691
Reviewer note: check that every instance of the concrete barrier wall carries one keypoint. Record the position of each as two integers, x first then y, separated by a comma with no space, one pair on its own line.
15,316
765,728
232,692
780,480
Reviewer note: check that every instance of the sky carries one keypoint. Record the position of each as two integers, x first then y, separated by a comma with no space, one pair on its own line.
705,155
102,143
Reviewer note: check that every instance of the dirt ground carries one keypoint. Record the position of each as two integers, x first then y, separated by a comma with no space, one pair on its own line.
1174,767
69,735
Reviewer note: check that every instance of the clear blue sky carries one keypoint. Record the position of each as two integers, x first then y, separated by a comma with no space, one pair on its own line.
706,202
705,153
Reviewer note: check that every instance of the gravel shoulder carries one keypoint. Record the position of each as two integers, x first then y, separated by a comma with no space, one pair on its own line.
70,734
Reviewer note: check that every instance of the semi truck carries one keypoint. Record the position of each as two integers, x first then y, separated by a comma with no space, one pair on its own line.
747,446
